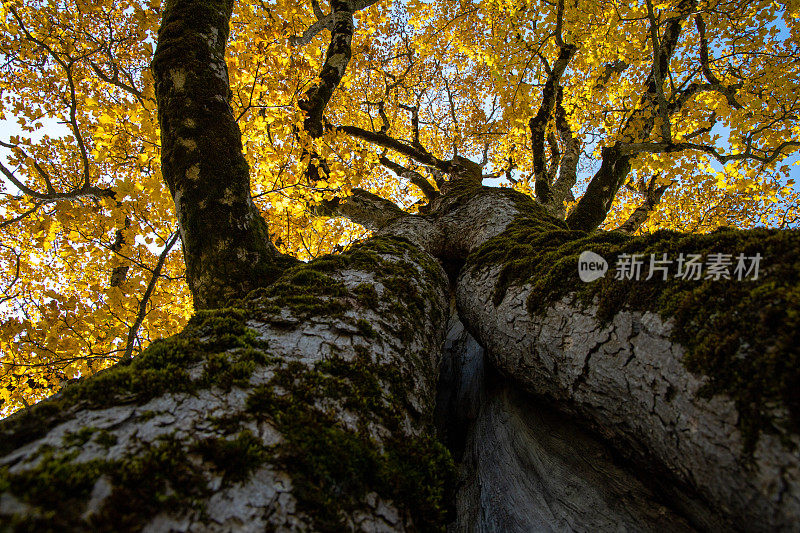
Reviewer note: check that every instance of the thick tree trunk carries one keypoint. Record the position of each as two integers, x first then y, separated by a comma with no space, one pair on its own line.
525,467
306,407
309,405
694,380
226,245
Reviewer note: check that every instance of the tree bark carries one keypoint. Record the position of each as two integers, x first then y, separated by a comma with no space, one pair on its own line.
683,378
226,245
306,407
525,467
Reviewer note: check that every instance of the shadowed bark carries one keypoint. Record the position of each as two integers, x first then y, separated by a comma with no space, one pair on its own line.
225,240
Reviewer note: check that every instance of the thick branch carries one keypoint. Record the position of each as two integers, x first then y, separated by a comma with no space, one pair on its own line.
120,273
225,240
414,110
596,201
640,124
336,59
308,408
322,23
538,124
716,84
568,165
704,58
413,176
362,207
609,69
643,368
658,75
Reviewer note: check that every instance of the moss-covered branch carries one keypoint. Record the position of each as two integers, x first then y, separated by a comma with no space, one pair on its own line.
690,370
225,240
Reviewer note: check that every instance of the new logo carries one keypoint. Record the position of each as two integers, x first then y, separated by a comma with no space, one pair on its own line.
591,266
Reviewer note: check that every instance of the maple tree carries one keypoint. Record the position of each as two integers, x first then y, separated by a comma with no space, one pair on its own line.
331,121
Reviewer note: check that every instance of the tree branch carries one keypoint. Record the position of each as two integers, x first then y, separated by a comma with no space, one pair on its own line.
413,176
538,124
337,57
134,331
640,215
17,218
225,239
662,148
45,198
418,154
322,23
617,67
568,167
116,82
658,77
716,84
362,207
414,110
593,207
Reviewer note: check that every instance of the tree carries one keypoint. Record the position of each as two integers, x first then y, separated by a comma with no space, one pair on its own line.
305,395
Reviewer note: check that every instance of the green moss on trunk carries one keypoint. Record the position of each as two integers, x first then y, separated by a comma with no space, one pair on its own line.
334,461
743,335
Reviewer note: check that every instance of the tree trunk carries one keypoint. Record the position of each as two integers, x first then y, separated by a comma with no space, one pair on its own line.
307,407
310,404
523,467
693,380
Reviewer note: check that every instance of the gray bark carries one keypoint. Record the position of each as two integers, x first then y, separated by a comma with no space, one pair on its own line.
524,466
332,377
330,427
626,379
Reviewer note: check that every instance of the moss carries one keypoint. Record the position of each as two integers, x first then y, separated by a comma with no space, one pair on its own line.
333,467
367,295
743,335
226,369
105,439
308,290
366,329
234,458
56,484
226,424
158,478
161,368
80,437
